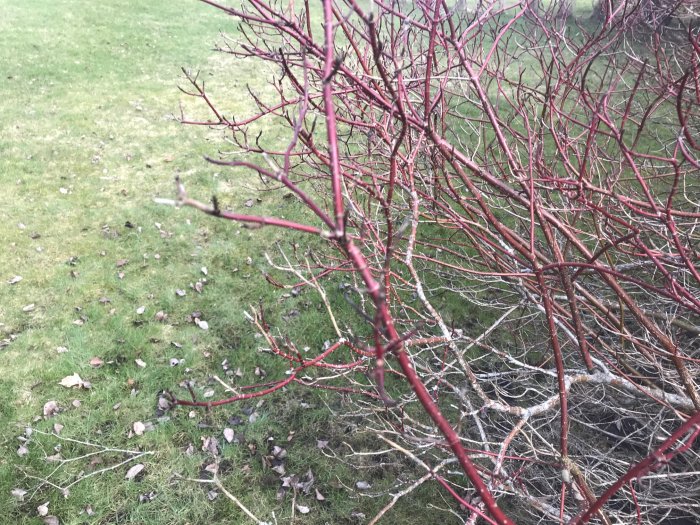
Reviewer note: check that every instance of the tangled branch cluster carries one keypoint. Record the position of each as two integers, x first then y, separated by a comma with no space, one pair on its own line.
512,200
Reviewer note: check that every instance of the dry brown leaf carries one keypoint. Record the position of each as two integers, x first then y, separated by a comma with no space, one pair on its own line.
18,494
134,471
50,408
211,445
72,381
139,428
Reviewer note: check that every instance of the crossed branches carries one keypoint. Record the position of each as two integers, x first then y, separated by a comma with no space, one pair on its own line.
505,159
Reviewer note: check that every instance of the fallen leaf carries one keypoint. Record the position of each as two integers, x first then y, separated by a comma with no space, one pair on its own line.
29,308
181,293
160,316
302,509
363,485
175,361
140,310
306,483
279,452
212,495
51,520
202,324
96,362
57,427
228,434
139,428
15,279
72,381
204,270
63,191
43,509
249,203
76,403
105,300
321,443
210,444
22,451
134,471
61,349
18,494
319,496
140,363
149,496
163,404
122,262
50,408
209,393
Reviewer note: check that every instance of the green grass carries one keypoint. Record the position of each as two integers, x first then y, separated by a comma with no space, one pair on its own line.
88,139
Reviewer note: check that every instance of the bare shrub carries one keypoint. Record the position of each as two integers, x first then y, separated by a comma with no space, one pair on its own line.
511,206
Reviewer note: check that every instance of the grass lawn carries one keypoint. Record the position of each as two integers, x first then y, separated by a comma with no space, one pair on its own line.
88,139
